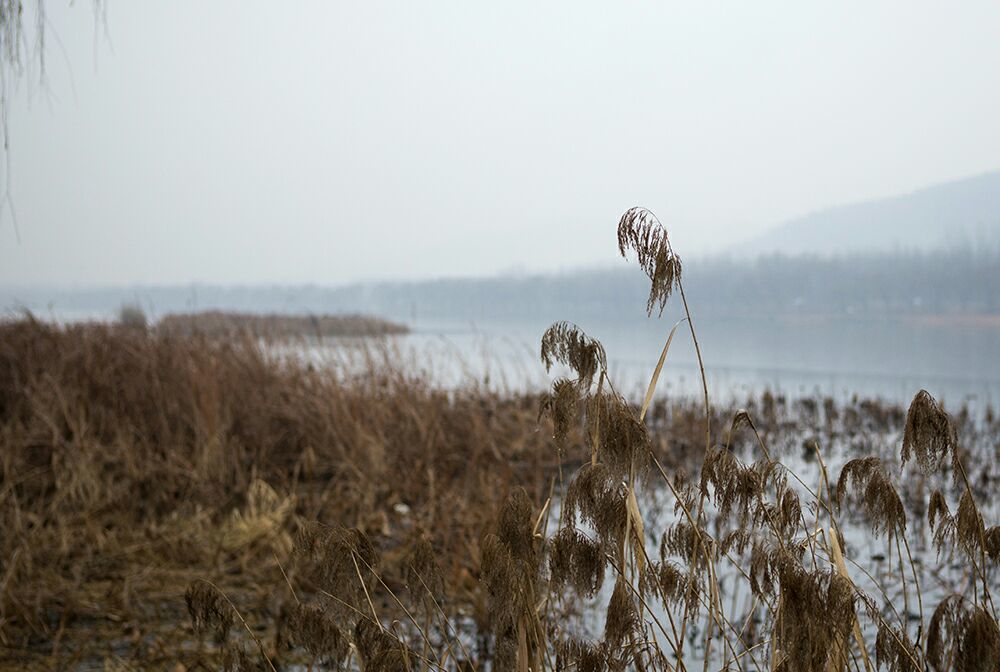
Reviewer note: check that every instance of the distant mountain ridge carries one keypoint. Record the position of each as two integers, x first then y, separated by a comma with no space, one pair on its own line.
949,215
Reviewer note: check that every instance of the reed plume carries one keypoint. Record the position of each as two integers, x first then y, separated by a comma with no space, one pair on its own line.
622,617
993,543
315,630
561,404
929,434
576,561
622,440
209,609
894,650
380,651
942,523
565,343
873,487
574,654
511,568
817,614
963,636
640,231
597,497
337,560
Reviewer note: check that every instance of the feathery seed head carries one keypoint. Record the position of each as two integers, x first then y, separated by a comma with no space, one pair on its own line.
565,343
929,434
640,231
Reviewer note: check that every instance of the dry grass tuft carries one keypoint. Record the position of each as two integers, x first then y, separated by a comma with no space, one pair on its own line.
132,463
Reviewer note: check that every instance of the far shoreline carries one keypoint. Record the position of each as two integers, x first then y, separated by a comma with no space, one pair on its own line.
224,324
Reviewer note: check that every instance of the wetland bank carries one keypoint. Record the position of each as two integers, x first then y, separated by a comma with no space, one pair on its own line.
178,500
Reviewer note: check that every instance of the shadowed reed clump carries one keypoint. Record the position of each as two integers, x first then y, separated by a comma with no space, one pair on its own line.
380,651
963,636
423,573
511,567
209,609
315,630
339,561
576,561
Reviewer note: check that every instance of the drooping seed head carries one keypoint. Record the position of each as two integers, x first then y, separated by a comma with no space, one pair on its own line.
565,343
209,609
641,232
928,434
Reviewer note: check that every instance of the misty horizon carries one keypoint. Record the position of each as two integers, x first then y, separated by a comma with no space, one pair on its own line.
333,145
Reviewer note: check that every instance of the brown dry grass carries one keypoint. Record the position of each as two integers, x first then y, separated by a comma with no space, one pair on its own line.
132,462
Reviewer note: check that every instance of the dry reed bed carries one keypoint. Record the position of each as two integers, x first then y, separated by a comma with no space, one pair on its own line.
372,521
134,464
126,453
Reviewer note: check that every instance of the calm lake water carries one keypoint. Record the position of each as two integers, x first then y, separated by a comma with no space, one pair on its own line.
891,359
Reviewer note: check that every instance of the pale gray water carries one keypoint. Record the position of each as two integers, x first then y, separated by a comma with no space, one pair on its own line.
839,358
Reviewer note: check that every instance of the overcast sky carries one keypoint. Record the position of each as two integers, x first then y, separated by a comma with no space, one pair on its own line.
328,142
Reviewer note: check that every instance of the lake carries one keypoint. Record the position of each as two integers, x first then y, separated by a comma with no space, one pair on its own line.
838,357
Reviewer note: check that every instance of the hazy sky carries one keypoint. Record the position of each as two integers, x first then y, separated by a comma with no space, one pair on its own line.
327,142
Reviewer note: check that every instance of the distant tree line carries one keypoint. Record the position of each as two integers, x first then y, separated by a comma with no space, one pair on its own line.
963,280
